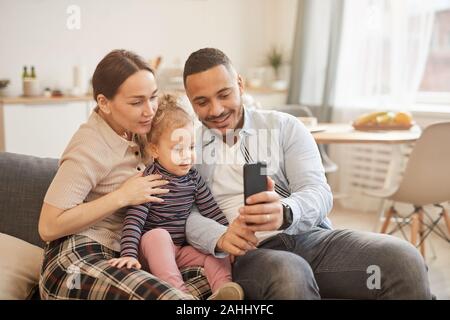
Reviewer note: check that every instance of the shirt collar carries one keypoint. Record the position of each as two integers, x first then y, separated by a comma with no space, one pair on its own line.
247,126
118,144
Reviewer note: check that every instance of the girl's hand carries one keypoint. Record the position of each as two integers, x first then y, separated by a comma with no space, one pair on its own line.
138,189
129,262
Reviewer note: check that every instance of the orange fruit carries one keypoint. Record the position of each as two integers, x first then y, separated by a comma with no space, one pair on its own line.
403,118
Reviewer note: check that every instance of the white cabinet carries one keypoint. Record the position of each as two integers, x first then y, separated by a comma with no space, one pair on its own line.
42,130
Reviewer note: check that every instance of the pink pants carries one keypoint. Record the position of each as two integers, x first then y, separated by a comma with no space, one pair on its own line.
163,258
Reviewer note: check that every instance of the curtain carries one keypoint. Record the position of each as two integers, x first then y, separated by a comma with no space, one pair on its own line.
315,55
384,50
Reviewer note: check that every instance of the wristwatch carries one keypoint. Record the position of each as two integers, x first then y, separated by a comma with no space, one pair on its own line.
287,217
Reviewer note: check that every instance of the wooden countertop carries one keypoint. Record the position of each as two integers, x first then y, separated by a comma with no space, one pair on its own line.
44,100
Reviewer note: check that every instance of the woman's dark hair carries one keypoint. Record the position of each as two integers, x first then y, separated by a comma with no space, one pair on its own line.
114,69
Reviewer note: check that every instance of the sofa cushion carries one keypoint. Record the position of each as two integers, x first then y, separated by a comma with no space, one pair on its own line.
20,264
24,180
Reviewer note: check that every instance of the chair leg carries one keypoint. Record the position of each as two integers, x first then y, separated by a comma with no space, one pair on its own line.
381,213
415,225
388,216
421,232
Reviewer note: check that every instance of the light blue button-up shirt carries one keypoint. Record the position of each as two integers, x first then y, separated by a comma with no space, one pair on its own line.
293,161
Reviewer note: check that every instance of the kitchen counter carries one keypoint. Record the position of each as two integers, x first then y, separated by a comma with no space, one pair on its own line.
44,100
41,126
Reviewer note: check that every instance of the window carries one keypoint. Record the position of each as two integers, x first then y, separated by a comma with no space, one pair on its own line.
435,84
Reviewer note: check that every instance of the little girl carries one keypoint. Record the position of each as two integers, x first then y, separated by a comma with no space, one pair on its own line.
154,232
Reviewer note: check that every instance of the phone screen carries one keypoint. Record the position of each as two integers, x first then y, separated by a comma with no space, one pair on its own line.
255,179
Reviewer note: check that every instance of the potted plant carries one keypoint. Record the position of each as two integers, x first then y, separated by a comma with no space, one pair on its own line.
274,59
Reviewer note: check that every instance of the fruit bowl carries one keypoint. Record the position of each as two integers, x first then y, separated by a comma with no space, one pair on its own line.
384,120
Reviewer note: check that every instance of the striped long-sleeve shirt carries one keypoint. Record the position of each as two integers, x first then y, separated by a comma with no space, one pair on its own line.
171,215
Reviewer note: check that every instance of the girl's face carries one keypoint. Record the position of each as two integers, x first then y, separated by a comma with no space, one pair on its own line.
175,150
134,105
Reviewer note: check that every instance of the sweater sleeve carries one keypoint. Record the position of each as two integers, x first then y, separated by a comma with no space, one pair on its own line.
311,198
80,170
132,230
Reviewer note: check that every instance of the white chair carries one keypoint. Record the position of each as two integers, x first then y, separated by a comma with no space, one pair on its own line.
426,181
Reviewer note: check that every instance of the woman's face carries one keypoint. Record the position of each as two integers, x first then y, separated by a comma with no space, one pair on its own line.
134,105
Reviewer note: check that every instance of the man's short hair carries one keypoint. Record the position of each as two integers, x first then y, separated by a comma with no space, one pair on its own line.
204,59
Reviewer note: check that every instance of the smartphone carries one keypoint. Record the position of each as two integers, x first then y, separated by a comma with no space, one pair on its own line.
255,179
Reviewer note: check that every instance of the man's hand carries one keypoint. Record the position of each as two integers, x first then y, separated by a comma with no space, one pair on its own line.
264,211
238,238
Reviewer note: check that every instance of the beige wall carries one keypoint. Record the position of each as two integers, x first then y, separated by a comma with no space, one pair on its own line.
35,33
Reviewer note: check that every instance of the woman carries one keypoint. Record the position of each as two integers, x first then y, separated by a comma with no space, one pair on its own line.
100,173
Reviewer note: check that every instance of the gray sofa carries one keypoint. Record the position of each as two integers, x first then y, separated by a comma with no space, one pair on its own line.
24,180
23,183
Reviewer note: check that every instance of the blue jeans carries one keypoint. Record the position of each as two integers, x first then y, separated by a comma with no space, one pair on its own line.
333,264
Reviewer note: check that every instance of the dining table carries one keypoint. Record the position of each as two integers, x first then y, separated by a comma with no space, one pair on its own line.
344,133
327,133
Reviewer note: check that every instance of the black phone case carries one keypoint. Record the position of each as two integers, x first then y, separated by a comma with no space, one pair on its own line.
255,179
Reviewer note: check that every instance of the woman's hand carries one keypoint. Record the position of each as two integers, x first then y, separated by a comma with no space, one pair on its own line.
138,189
128,262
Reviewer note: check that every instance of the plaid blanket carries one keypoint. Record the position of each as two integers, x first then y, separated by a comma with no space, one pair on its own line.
77,267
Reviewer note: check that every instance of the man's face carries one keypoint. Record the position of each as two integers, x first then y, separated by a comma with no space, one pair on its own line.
215,95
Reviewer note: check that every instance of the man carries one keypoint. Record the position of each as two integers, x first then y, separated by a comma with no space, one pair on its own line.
282,240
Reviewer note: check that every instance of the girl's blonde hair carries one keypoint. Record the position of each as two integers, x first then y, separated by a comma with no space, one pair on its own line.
169,116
